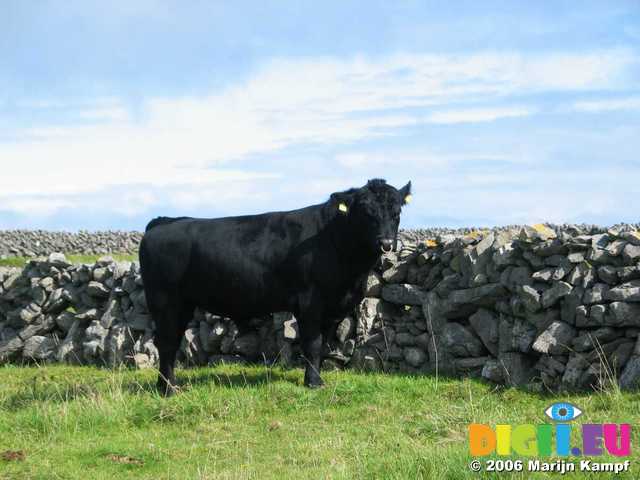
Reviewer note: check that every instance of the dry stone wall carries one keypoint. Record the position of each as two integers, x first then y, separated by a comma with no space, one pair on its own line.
547,308
32,243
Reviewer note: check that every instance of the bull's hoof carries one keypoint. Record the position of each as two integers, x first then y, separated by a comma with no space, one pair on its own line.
314,386
166,389
316,383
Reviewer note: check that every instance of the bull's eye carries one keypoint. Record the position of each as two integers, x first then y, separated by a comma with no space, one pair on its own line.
562,412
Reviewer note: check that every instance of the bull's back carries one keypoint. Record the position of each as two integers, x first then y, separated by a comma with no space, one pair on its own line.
232,266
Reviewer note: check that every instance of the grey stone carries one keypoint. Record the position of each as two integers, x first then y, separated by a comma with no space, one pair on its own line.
624,314
530,298
479,279
448,283
105,261
29,313
632,237
631,254
541,320
595,318
569,304
550,248
615,248
601,256
97,290
583,275
414,356
627,292
143,361
514,277
118,346
191,351
535,261
101,274
57,302
485,324
39,348
608,274
111,312
493,371
535,233
589,339
366,359
550,365
10,347
518,368
43,324
211,337
248,345
70,350
555,340
576,257
597,294
404,339
396,273
476,258
47,284
621,356
575,368
345,329
471,366
39,295
58,260
373,285
555,293
626,274
461,342
544,275
291,329
630,377
403,294
64,321
485,295
515,334
505,255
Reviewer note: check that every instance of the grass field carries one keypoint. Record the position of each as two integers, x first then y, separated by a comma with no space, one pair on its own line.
259,422
71,257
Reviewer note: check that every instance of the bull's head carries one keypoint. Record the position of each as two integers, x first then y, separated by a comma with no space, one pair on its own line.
374,212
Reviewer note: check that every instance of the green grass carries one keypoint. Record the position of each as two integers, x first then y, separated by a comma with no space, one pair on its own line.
72,258
255,422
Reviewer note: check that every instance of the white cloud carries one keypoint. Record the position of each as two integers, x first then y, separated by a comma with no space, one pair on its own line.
478,115
287,102
595,106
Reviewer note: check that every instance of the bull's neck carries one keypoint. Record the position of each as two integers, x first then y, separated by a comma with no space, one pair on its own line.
349,244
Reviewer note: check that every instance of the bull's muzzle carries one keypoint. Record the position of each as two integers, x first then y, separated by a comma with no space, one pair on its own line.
386,245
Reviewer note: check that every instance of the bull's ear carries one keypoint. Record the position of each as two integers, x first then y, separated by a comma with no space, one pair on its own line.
405,193
341,202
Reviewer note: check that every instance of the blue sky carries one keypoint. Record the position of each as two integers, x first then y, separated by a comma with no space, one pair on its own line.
498,112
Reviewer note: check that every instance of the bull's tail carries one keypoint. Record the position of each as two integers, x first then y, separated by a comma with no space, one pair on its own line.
162,221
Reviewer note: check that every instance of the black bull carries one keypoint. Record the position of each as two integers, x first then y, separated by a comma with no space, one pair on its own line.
311,262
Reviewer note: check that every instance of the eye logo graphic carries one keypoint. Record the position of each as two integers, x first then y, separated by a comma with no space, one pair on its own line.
540,440
562,412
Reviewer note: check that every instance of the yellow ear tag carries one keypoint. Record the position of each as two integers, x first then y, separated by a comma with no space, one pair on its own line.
343,208
408,198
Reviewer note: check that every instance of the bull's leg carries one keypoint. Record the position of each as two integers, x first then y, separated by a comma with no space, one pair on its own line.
171,322
311,338
311,328
167,378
